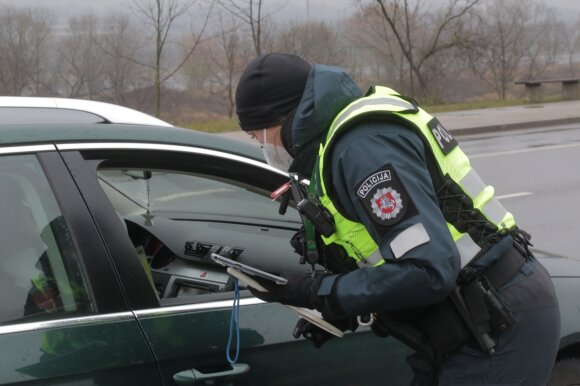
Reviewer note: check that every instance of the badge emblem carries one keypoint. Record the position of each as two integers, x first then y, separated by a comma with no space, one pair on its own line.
384,197
386,203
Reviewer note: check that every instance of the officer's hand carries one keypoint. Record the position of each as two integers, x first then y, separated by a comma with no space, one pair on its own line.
311,332
317,335
300,291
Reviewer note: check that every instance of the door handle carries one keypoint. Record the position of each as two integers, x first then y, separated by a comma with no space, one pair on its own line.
197,377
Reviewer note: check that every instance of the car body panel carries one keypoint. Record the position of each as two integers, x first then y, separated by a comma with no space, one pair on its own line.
194,336
568,291
109,350
104,346
275,357
565,275
137,339
70,133
561,267
110,112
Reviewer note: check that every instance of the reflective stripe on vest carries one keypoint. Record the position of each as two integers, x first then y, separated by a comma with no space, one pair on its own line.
375,259
451,162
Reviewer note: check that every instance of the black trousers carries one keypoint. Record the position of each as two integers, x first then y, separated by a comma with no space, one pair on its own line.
525,352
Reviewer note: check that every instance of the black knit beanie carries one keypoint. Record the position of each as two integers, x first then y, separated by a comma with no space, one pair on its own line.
269,89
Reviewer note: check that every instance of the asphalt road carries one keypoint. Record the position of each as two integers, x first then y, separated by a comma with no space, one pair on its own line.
536,175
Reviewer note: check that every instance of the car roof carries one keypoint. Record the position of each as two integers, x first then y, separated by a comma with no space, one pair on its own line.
109,112
32,134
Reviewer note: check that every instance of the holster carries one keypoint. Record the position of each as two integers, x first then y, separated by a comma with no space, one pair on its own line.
431,331
473,313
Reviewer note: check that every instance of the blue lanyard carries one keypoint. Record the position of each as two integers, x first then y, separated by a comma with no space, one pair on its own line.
234,320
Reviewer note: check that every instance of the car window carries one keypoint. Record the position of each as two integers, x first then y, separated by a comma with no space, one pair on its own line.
176,219
184,195
40,273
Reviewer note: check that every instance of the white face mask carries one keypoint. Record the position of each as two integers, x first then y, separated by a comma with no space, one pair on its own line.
276,156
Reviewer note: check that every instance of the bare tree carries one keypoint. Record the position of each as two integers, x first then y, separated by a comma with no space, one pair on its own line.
543,41
316,42
251,13
24,39
423,29
227,57
380,57
161,16
511,32
121,43
569,34
197,70
81,62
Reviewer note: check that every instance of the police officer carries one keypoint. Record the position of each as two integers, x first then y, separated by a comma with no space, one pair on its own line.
438,261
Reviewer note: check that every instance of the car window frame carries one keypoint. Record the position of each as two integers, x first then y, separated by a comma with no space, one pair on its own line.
97,270
95,260
83,158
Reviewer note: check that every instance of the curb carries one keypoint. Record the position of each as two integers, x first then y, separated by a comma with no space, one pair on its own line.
514,126
468,130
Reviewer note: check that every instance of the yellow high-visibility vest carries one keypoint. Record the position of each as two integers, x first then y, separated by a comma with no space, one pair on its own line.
452,164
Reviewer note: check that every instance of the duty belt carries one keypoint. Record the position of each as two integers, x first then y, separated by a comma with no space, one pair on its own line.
471,312
500,272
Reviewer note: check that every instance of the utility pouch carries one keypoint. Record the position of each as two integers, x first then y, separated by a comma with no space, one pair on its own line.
431,331
482,311
471,306
405,331
500,317
445,327
308,205
317,214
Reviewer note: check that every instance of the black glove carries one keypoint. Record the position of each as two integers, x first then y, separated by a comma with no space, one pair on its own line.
311,332
317,335
300,291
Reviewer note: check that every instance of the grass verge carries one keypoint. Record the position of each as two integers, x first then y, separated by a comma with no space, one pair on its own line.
222,125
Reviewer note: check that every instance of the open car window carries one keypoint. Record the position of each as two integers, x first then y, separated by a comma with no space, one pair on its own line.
188,196
176,219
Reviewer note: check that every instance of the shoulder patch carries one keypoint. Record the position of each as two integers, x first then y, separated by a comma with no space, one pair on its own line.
384,196
444,139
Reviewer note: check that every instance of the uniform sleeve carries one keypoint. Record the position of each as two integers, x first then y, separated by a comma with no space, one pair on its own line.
381,180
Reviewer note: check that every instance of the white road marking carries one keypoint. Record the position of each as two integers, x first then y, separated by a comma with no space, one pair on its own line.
529,150
513,195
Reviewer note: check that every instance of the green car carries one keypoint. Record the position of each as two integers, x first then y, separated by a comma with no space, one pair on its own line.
105,235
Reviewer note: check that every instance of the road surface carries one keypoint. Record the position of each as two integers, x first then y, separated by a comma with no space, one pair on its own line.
536,174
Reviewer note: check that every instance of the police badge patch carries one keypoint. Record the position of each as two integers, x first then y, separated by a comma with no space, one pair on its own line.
384,197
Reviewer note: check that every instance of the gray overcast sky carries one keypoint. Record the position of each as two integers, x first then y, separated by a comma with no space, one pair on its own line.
319,9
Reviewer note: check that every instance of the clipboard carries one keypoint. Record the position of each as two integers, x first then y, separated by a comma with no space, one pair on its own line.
312,316
248,269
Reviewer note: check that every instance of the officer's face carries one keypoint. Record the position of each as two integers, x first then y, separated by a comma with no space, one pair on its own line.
270,134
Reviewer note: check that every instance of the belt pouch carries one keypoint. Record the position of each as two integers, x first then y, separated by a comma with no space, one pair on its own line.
445,328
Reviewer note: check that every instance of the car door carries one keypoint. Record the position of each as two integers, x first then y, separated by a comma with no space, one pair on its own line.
162,209
63,316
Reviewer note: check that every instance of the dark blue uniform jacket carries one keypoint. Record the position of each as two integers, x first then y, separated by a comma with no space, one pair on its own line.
426,273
